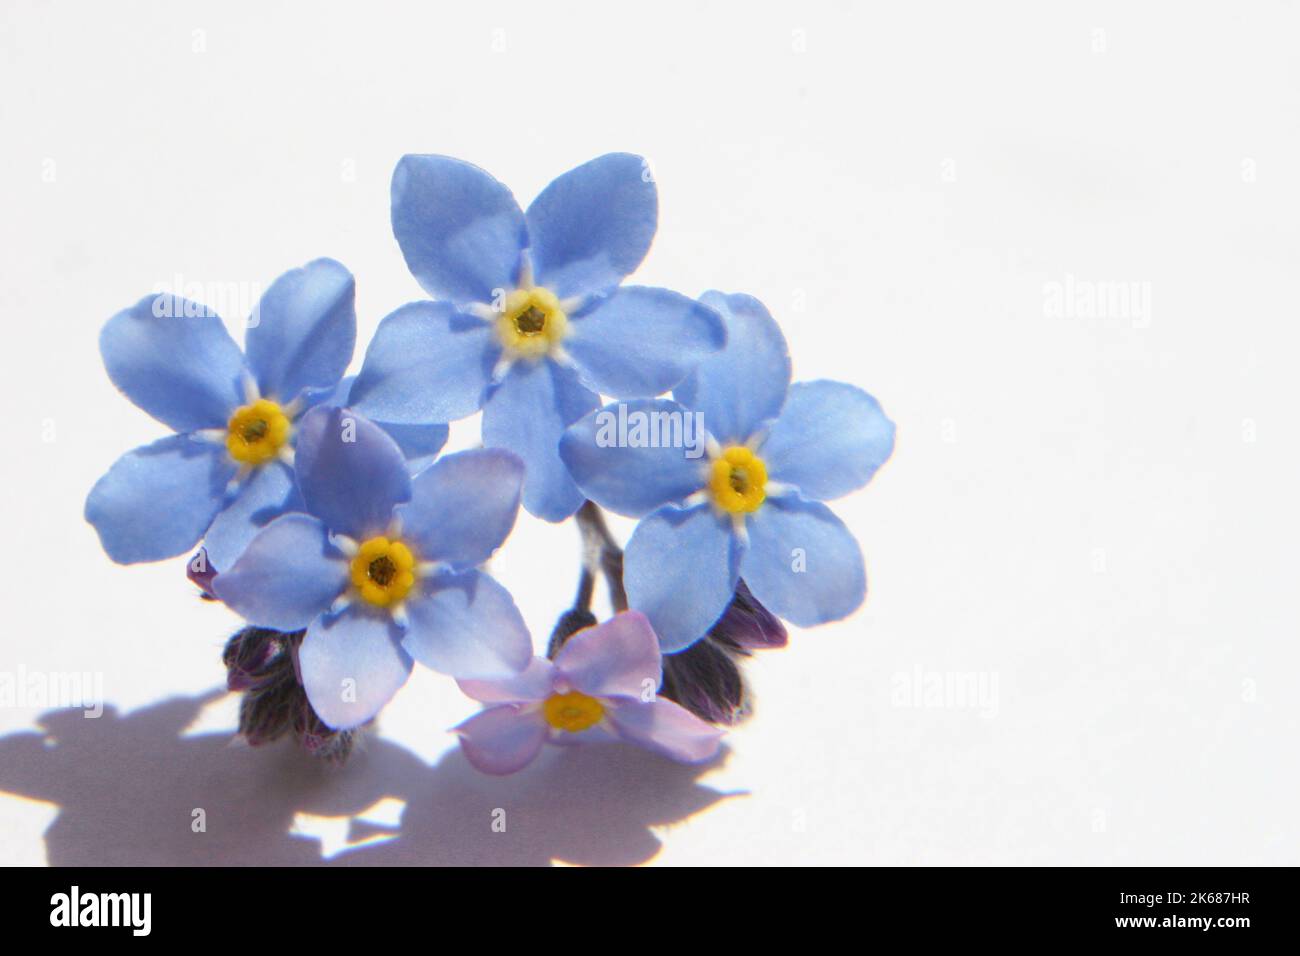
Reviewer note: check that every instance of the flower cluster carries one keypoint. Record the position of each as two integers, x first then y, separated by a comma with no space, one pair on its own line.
326,519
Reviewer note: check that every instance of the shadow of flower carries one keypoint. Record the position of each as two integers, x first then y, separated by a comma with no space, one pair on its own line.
131,790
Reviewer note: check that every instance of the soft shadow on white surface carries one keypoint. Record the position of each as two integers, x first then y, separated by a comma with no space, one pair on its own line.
128,787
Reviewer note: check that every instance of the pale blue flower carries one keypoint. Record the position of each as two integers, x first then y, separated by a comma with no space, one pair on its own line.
531,322
751,506
382,567
228,469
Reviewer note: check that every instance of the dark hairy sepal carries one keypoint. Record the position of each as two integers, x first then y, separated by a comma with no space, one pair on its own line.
262,665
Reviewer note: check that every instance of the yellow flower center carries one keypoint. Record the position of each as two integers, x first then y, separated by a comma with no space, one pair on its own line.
573,711
383,571
532,322
738,480
257,432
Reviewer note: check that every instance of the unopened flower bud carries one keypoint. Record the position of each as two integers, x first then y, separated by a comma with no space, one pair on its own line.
571,622
706,678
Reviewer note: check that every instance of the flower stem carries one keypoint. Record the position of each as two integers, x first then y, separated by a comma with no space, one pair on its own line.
601,552
600,555
586,585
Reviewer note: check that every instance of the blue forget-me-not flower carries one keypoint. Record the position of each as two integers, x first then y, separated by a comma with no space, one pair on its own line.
751,505
228,469
382,567
531,322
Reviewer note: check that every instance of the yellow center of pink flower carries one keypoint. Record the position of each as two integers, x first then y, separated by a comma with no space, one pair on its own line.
573,711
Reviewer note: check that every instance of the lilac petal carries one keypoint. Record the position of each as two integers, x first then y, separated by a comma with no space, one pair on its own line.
601,733
803,563
744,385
463,506
351,473
461,231
288,574
304,330
535,682
666,728
502,739
426,363
352,665
156,501
175,360
467,625
593,225
680,570
619,658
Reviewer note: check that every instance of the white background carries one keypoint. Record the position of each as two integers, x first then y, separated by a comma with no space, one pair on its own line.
1094,515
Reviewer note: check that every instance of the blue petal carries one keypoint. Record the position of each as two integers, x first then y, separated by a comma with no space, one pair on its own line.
351,473
426,363
352,665
467,625
680,570
460,230
336,395
641,342
156,501
632,457
745,384
463,506
829,440
527,415
268,492
174,359
419,443
288,574
593,225
303,331
802,563
667,728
